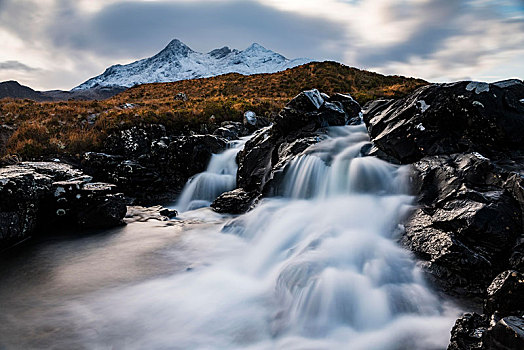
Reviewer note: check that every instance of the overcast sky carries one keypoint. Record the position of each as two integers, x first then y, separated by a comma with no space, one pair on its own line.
58,44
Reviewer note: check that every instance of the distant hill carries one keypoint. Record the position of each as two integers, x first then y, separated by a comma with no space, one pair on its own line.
198,105
13,89
179,62
326,76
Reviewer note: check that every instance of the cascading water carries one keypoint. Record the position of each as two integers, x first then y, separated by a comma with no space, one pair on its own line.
315,268
219,177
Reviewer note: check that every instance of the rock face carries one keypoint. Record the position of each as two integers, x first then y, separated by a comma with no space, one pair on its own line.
467,224
148,165
296,127
450,118
502,324
36,194
466,145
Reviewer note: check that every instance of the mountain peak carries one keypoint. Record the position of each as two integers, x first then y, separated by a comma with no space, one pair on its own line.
257,47
178,62
177,47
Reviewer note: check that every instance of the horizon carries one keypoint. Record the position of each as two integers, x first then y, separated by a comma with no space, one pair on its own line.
55,45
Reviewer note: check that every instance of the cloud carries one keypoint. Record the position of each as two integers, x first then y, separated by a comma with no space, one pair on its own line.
137,28
15,65
70,41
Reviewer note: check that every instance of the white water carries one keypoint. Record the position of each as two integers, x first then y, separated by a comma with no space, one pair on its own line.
219,177
317,268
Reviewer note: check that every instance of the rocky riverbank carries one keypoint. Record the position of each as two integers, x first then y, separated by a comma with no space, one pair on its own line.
465,144
40,196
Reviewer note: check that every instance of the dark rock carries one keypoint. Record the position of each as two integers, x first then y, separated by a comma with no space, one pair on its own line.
134,141
237,201
231,131
34,195
158,167
467,332
467,223
450,118
507,334
506,294
351,107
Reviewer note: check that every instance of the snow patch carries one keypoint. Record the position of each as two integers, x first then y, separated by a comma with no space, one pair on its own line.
477,103
420,127
478,87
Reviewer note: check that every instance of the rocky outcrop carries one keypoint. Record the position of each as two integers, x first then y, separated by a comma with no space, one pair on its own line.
36,194
466,144
450,118
467,224
502,324
296,127
147,164
465,141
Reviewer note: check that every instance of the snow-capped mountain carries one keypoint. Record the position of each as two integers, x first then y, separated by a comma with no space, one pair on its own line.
178,62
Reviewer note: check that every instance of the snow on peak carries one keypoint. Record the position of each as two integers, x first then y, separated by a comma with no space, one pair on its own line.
179,62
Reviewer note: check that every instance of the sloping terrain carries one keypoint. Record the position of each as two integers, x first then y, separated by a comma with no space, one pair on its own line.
73,127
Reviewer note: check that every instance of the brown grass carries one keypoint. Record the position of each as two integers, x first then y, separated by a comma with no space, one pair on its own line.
73,127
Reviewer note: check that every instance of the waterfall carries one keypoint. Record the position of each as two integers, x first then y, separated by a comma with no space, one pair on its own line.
219,177
316,267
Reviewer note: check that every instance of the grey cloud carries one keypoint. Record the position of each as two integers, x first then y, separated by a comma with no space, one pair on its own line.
442,21
142,28
15,65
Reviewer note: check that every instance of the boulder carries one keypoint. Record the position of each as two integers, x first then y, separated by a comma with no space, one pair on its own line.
467,332
467,223
450,118
505,295
36,194
507,334
237,201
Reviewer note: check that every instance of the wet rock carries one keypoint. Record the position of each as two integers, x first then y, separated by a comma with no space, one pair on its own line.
507,334
450,118
505,295
467,332
34,195
467,224
237,201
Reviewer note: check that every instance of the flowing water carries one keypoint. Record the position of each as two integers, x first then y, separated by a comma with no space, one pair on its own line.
315,268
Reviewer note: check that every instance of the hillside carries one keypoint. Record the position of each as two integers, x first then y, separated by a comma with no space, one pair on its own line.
73,127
